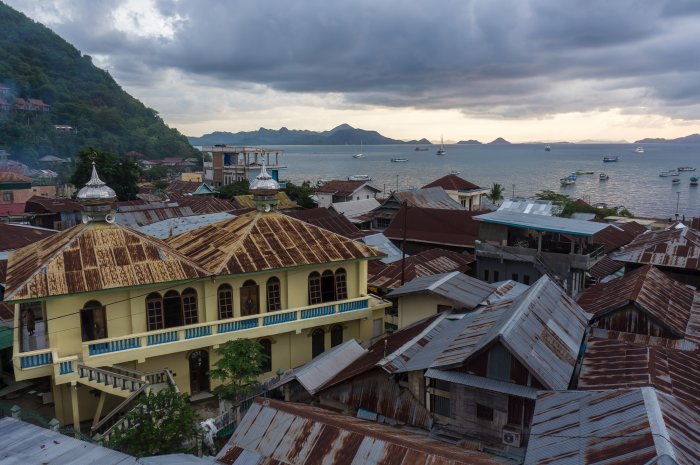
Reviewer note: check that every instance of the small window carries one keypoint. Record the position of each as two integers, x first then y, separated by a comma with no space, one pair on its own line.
7,196
314,288
514,277
154,311
440,405
526,279
486,275
274,302
266,345
495,276
341,285
225,301
318,342
336,335
189,306
484,413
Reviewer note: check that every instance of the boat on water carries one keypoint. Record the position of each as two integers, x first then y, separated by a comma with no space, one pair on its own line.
547,148
580,172
567,181
421,149
665,174
610,159
675,181
686,168
359,177
573,175
399,160
694,180
361,153
455,172
639,149
603,177
441,150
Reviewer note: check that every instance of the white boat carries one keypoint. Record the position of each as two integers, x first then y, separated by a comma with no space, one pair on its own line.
665,174
547,148
399,160
441,150
639,149
676,181
359,177
361,154
686,168
603,177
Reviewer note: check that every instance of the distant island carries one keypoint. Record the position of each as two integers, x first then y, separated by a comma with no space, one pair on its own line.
340,135
469,142
691,139
499,141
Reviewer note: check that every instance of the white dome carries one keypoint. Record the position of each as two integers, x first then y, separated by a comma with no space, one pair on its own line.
264,181
96,189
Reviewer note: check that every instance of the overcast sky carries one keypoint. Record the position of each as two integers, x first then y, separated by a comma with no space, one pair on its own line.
525,70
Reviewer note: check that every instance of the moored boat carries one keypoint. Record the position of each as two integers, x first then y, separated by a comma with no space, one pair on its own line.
421,149
547,148
580,172
359,177
694,180
639,149
567,181
610,159
686,168
399,160
441,150
675,181
603,177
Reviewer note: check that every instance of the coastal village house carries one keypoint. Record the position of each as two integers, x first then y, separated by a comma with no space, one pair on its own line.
17,189
116,311
228,164
433,197
466,193
337,191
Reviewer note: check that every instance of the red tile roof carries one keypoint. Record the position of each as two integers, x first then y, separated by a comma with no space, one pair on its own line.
427,263
342,188
436,226
452,182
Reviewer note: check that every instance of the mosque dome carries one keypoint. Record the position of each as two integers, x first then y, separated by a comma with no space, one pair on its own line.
96,190
264,181
264,190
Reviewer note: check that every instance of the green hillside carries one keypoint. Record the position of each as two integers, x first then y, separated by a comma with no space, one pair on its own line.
38,64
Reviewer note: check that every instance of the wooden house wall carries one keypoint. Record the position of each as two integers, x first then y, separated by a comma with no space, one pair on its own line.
630,319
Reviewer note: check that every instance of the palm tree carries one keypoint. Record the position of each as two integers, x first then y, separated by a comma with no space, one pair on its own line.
495,195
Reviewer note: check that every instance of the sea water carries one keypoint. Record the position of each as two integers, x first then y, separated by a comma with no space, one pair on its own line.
522,169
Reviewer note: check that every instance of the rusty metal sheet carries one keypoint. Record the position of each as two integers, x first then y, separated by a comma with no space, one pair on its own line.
624,426
604,267
668,302
92,257
342,188
438,226
260,241
16,236
466,292
452,182
326,219
427,263
431,197
675,248
320,437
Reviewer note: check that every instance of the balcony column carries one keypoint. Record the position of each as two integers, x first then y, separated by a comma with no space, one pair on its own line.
98,410
539,242
74,405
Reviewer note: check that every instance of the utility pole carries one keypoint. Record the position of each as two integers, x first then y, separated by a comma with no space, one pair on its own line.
678,200
513,191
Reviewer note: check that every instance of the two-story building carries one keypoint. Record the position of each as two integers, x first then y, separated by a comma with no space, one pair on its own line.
466,193
228,164
337,191
114,310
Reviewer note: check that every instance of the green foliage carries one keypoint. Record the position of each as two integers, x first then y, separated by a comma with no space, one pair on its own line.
301,194
36,63
238,368
495,195
569,206
166,425
155,173
233,189
120,173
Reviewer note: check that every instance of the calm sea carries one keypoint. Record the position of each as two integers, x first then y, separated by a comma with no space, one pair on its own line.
523,168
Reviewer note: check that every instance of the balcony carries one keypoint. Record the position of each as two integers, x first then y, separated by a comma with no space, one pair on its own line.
138,347
552,252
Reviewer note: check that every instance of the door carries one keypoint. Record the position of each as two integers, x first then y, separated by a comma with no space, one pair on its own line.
93,321
250,304
199,372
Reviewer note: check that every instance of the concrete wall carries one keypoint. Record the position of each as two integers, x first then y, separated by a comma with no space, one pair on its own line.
414,308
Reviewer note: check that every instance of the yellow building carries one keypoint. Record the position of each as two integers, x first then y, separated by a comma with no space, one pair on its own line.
192,177
117,311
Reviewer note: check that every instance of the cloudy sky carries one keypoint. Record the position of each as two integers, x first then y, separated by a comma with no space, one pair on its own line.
526,70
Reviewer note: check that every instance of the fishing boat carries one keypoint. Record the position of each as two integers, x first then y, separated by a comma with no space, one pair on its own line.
686,168
361,154
665,174
694,180
455,172
639,149
610,159
421,149
441,150
567,181
573,175
359,177
673,173
580,172
547,148
603,177
399,160
675,181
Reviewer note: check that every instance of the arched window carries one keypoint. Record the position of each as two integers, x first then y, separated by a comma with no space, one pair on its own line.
189,306
172,309
336,335
327,286
341,284
318,342
93,321
274,301
314,288
154,311
225,301
266,345
250,303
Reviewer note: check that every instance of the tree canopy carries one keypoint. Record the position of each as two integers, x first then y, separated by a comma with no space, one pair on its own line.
119,173
301,194
570,206
495,194
238,368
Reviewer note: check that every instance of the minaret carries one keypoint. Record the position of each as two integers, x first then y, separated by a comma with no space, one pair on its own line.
264,190
97,199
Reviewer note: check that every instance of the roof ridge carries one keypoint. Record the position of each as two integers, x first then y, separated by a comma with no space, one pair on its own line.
659,431
390,357
239,243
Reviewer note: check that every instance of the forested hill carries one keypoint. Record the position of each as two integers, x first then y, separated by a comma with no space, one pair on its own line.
37,64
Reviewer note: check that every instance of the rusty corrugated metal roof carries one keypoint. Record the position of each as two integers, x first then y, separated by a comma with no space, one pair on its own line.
326,219
435,226
605,267
15,236
643,339
612,364
431,197
668,301
427,263
624,426
675,248
543,328
92,257
452,182
275,432
466,292
283,201
260,241
613,237
38,204
145,216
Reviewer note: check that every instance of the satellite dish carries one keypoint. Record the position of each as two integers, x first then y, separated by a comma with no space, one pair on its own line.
267,208
109,218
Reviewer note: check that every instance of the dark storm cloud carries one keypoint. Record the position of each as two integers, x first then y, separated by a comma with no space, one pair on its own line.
507,58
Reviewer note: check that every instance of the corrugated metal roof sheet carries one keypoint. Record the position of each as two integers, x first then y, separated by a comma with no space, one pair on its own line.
355,208
143,216
260,241
38,204
283,201
604,267
505,290
343,188
543,223
316,373
464,290
626,426
326,219
613,237
432,197
92,257
176,459
531,207
381,242
427,263
27,444
676,248
15,236
435,226
274,432
174,226
479,382
203,204
643,339
668,301
452,182
543,328
612,364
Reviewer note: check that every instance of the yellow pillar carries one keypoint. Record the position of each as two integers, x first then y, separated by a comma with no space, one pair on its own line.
98,410
74,404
